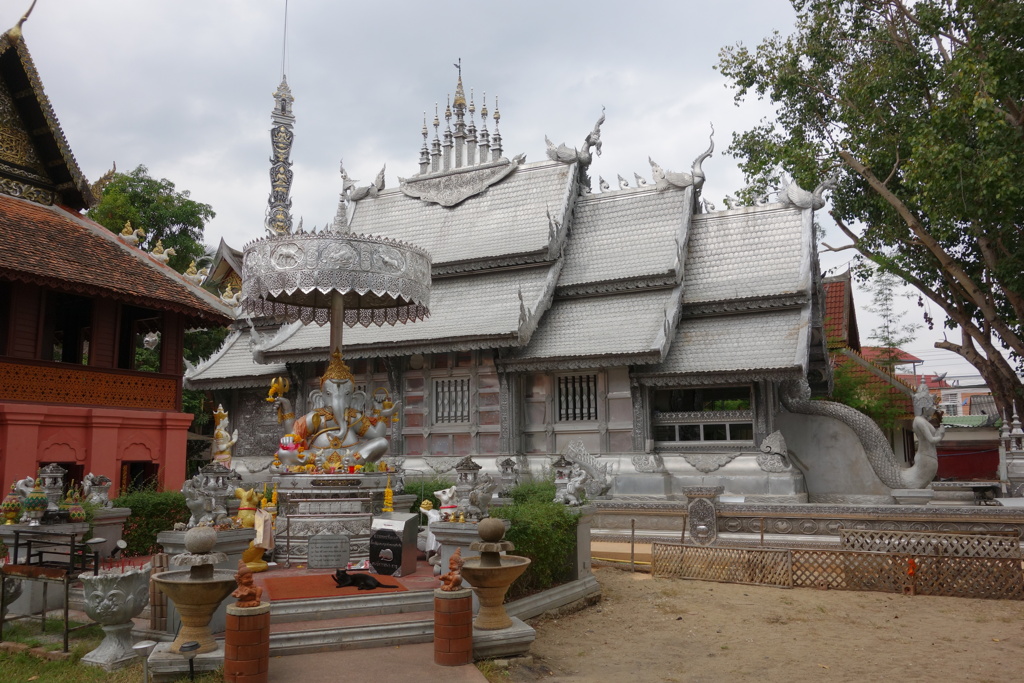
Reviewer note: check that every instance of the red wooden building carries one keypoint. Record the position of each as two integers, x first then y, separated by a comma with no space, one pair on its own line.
76,302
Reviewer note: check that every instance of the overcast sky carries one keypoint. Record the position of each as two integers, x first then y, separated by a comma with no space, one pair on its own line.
185,87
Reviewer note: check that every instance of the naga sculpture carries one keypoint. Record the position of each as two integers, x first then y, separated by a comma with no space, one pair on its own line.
793,194
570,155
664,180
339,428
796,397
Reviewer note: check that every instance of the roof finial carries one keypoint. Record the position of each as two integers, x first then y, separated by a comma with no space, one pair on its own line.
24,18
284,41
496,138
424,150
460,93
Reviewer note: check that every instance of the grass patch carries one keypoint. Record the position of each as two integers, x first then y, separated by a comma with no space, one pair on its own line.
29,632
25,667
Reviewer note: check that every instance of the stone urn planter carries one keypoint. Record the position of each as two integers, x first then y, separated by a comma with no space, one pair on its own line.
491,573
113,598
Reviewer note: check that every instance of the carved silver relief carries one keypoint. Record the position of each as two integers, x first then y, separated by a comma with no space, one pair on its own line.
773,456
452,187
648,463
701,521
709,462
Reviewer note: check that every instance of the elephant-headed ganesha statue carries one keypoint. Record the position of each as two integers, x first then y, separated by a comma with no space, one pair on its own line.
346,429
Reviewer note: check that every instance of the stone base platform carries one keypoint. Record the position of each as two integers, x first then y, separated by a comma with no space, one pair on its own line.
165,666
506,642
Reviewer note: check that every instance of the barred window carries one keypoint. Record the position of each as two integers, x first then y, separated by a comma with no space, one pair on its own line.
703,414
451,400
577,398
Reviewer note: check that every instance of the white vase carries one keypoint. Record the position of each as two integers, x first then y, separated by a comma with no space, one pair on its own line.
113,598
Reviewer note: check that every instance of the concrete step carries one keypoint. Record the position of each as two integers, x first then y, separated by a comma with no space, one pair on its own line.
350,633
321,609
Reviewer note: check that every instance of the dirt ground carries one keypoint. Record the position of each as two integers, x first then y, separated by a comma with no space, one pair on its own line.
656,629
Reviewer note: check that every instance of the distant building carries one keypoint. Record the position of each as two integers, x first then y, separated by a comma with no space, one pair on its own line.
76,303
845,351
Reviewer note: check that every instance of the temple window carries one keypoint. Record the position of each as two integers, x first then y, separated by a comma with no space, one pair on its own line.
451,400
577,398
66,328
718,414
138,339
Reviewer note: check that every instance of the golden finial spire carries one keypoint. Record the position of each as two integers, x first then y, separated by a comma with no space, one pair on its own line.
24,18
460,93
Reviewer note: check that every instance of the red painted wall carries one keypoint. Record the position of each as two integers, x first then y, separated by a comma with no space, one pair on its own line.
99,439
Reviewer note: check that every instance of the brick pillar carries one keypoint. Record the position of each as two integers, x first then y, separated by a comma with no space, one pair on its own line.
247,644
453,627
157,598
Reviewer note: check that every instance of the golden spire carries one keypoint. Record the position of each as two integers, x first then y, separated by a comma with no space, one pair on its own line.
337,370
460,93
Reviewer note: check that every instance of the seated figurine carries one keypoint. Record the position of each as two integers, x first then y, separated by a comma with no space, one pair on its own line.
453,579
248,593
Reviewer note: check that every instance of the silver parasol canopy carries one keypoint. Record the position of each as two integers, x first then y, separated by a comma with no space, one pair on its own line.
301,276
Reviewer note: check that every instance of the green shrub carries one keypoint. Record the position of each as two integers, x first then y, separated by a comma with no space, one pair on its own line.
424,490
543,531
536,491
152,512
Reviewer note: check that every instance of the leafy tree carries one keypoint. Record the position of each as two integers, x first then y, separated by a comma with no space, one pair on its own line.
171,216
857,390
893,332
917,107
161,211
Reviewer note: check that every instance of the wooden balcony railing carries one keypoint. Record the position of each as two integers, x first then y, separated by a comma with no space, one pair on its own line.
68,384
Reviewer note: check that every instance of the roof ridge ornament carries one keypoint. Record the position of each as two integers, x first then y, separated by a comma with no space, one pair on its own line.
665,180
24,17
794,195
570,155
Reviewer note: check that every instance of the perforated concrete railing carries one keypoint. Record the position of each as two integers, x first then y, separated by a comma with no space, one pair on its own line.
761,566
972,577
1005,544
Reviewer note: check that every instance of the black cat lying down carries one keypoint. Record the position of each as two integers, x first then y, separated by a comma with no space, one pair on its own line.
363,582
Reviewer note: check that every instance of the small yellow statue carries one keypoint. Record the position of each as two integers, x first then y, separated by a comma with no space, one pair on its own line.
389,498
247,507
253,558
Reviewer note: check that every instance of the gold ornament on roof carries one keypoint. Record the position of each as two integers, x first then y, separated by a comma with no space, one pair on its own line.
337,371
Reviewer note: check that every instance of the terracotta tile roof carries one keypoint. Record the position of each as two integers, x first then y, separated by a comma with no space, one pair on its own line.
840,316
835,312
885,355
58,249
873,378
933,381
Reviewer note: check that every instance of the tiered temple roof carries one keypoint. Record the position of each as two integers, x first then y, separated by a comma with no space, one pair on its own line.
528,261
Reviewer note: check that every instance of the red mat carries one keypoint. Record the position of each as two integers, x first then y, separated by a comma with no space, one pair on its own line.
320,586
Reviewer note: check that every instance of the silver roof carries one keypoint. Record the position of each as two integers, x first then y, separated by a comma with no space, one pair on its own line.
625,236
746,253
589,332
232,366
508,220
466,312
770,340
